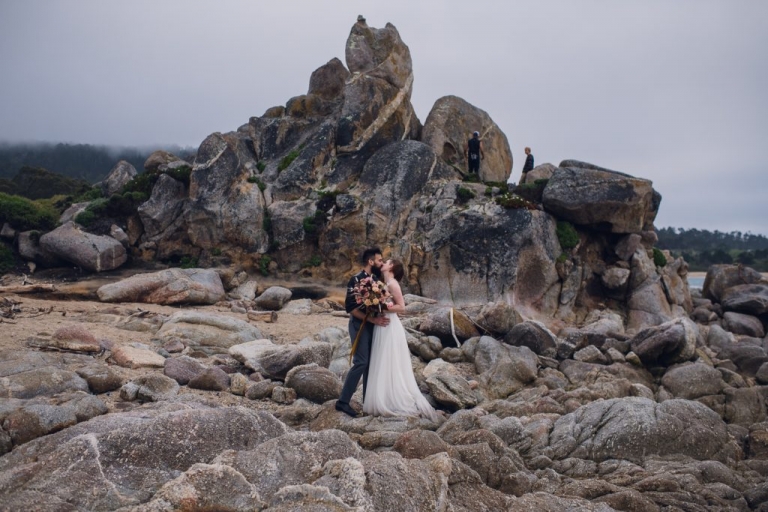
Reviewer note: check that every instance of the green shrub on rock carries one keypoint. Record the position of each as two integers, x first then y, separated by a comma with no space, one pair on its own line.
567,235
512,201
7,259
658,258
24,214
287,160
264,265
464,194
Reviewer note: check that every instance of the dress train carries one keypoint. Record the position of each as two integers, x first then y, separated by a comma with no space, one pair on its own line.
392,388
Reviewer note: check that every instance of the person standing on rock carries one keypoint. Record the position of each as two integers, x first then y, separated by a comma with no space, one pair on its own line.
372,260
527,166
473,151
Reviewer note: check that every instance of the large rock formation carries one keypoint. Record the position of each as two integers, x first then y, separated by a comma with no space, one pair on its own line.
304,187
450,125
601,199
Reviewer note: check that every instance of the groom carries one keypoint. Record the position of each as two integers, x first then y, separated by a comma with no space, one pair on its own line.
372,261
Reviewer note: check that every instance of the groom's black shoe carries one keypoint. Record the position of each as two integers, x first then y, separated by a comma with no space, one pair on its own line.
346,409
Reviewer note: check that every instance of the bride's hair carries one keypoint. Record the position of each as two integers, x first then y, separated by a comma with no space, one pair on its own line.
397,269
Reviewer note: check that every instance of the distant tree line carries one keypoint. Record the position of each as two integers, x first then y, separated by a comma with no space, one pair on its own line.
702,248
79,161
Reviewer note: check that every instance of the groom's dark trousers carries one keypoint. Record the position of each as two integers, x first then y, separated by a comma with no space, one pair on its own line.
360,361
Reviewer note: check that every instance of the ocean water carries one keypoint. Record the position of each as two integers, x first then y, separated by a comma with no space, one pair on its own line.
695,282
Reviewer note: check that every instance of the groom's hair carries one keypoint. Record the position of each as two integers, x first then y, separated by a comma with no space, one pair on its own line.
397,270
368,254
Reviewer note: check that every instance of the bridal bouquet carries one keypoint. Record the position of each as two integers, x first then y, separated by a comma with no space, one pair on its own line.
371,296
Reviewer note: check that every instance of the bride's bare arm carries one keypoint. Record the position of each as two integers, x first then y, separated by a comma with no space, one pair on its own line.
397,295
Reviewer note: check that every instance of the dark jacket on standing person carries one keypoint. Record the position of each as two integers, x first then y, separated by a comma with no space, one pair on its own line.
528,163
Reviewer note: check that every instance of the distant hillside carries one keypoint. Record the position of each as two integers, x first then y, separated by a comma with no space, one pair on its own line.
78,161
36,183
702,248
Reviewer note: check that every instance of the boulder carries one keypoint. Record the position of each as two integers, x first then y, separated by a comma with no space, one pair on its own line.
36,420
301,307
746,356
627,246
692,381
341,346
615,278
328,80
75,338
273,298
118,177
163,208
745,406
120,460
91,252
636,428
722,277
450,125
170,286
274,361
28,245
666,344
751,299
207,487
739,323
590,354
503,369
210,333
133,357
158,159
498,317
601,199
183,369
210,379
150,388
540,172
101,378
291,459
224,208
533,335
314,383
260,390
40,381
238,383
761,376
418,444
438,323
447,386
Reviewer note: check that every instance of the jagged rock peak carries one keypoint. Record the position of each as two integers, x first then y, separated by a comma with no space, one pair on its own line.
379,52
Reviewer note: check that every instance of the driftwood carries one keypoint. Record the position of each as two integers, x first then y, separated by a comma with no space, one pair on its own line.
30,288
269,317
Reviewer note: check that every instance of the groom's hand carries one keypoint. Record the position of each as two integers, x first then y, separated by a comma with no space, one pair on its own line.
381,321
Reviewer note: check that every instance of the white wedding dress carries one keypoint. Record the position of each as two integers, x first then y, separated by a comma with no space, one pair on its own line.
392,388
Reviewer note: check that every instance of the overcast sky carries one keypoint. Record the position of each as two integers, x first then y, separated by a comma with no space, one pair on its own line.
673,91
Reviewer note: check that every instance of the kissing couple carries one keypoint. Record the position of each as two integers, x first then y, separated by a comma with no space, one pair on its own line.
382,357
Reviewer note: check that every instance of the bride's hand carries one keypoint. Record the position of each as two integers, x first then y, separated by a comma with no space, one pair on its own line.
381,321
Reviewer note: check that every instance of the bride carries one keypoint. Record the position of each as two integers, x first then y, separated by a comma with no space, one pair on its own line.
392,388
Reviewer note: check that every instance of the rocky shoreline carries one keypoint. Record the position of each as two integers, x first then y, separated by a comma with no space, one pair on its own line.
137,406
